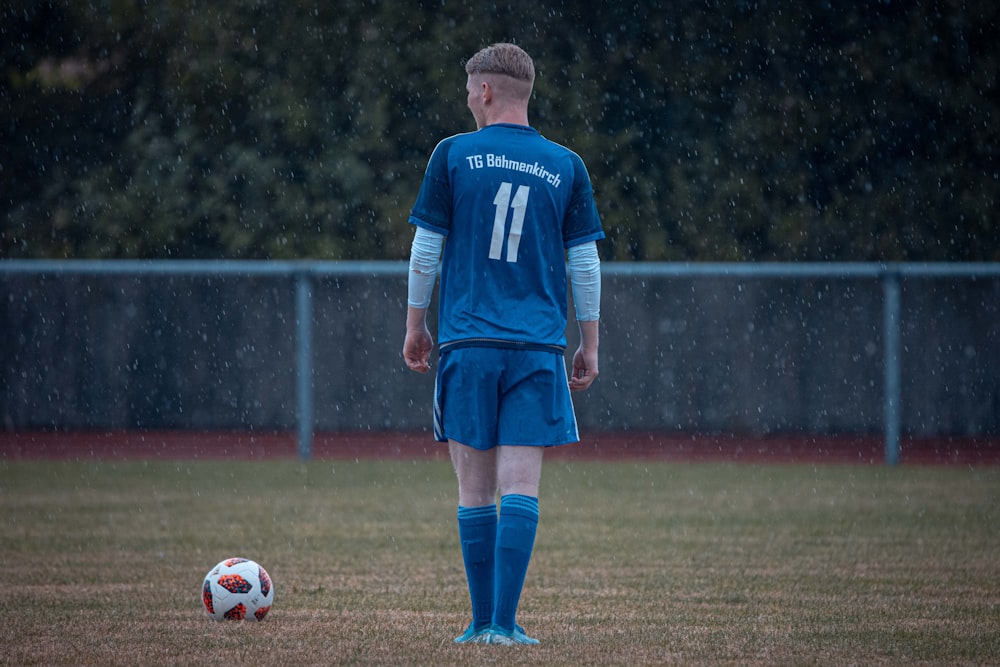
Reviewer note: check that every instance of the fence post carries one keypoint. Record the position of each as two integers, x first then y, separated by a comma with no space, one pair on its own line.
303,357
892,364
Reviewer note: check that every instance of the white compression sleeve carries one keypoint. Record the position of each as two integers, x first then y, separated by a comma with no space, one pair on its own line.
425,253
585,276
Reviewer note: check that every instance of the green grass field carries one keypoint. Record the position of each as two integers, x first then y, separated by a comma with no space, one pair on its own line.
635,563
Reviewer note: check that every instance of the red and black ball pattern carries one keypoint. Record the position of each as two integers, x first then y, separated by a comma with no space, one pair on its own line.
234,583
206,596
265,582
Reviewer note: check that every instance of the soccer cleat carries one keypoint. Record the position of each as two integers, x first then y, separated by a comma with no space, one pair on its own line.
473,635
500,637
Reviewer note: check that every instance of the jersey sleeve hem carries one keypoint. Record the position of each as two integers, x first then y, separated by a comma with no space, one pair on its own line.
419,222
571,243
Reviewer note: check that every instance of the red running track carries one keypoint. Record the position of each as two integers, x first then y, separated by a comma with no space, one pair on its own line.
653,446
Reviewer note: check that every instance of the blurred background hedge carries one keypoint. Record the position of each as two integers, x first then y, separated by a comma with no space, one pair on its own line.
713,130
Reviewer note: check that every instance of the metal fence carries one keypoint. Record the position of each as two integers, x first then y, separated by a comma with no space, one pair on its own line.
637,296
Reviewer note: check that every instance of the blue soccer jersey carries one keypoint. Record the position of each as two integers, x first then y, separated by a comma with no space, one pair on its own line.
510,203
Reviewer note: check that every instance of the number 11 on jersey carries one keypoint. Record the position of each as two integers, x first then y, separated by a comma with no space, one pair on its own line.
503,203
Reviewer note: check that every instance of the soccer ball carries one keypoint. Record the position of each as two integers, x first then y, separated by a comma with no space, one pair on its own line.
237,589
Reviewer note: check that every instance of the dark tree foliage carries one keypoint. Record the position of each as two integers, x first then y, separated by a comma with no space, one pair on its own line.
713,130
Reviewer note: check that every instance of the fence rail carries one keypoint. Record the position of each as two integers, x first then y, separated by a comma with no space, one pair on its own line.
305,272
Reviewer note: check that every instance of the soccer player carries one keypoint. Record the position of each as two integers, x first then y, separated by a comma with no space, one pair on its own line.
498,212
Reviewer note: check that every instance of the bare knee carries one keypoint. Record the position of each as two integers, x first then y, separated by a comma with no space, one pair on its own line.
477,474
519,470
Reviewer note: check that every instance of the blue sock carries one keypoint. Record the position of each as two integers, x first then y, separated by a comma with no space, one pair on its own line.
477,530
515,542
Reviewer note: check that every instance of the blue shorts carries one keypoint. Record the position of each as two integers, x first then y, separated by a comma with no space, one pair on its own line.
486,396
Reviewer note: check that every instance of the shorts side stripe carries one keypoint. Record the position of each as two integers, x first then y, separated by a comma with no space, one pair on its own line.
438,427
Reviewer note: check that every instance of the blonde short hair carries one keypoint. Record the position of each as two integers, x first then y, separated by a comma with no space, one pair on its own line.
503,58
